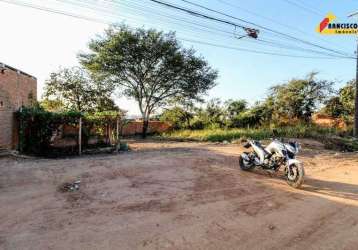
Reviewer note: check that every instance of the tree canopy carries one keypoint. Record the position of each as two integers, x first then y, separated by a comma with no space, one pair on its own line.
178,117
342,104
299,98
75,89
149,66
294,101
235,107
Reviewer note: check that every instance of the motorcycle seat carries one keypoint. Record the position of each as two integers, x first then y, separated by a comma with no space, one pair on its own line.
258,144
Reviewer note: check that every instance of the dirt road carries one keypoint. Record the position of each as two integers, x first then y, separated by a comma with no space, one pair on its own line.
168,195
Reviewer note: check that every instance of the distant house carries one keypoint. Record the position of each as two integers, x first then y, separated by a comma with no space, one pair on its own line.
17,89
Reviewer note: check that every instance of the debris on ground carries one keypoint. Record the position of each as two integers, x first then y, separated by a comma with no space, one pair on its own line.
70,186
123,146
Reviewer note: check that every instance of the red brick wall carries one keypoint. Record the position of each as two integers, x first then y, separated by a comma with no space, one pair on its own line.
132,128
136,127
329,122
15,87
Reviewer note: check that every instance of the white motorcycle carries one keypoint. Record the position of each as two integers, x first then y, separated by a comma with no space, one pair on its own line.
272,157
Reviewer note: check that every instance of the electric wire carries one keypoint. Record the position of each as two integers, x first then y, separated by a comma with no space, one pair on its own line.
254,24
183,39
303,7
291,27
271,44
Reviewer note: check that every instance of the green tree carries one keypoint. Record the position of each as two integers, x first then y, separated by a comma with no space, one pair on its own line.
346,96
212,115
263,111
75,89
52,105
234,108
149,66
341,105
178,117
299,98
215,113
259,114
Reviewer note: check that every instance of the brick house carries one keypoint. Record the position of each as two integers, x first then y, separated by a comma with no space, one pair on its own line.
17,89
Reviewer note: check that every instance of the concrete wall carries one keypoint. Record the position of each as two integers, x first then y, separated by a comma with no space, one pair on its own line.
15,89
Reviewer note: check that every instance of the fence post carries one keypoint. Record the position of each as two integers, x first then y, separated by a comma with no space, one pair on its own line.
117,135
80,136
21,132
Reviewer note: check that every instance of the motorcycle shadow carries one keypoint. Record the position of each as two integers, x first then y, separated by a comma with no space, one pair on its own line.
331,188
267,173
317,186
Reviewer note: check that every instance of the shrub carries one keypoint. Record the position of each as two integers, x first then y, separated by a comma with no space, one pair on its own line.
177,117
219,135
243,120
36,127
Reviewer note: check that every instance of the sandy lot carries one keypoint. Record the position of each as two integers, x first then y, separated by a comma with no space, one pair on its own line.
170,195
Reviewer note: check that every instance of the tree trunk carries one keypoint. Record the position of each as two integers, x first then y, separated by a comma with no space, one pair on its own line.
145,127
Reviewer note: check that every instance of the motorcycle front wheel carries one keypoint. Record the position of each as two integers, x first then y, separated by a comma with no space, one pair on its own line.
244,163
295,175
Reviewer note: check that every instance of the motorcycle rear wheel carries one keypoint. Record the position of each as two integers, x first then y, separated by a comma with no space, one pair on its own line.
296,178
244,165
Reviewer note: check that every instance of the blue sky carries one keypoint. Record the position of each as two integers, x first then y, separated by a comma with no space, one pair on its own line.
39,42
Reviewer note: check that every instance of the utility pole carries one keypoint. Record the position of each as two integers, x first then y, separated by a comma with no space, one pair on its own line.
355,128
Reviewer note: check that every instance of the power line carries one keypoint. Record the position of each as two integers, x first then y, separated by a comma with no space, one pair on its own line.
309,5
257,51
194,13
32,6
259,26
183,39
291,27
269,43
273,44
297,48
303,7
265,28
227,34
208,29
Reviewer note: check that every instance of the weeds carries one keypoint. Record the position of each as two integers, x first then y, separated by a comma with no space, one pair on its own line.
219,135
332,138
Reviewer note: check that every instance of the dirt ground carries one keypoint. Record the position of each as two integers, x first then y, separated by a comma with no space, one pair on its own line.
176,195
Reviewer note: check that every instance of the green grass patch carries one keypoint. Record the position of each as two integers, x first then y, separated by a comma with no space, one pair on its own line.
334,139
219,135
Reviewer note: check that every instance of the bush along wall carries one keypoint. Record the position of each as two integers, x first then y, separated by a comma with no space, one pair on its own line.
37,126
